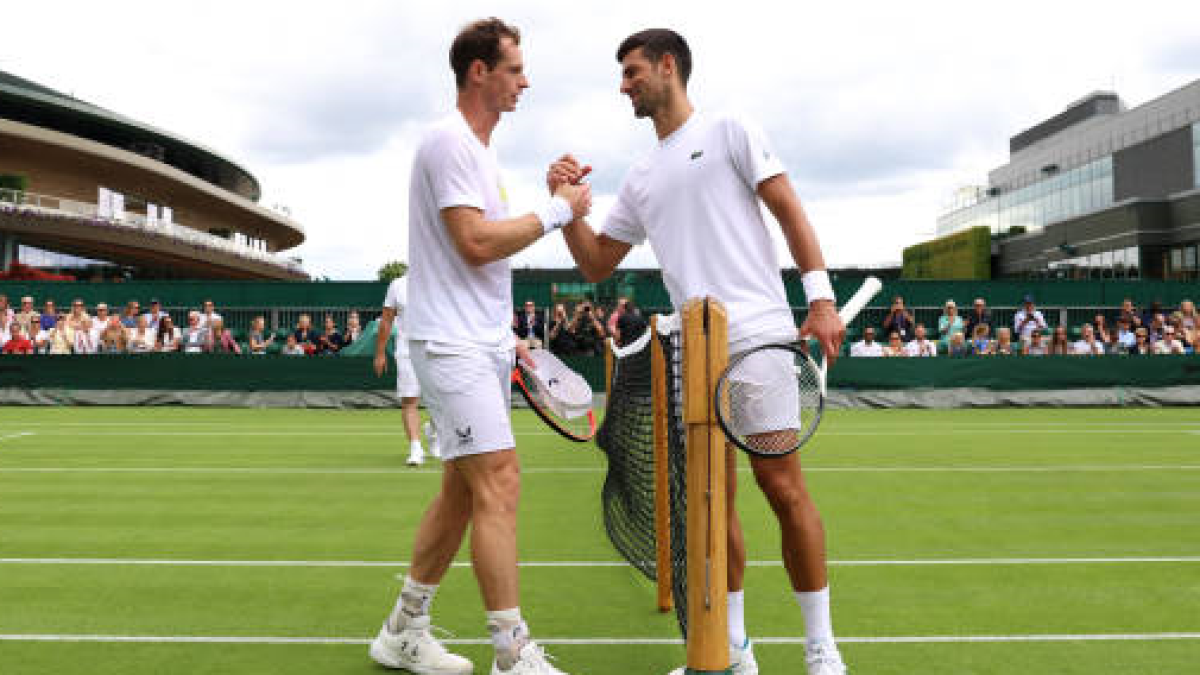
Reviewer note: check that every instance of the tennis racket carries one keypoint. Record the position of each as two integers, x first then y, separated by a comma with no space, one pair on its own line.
559,395
770,399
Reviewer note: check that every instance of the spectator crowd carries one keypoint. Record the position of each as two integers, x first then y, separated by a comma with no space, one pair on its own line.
580,331
1154,330
79,329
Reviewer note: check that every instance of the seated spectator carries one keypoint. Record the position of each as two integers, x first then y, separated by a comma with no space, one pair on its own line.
630,323
208,314
867,347
28,318
1170,344
60,339
6,311
6,326
981,344
353,329
1141,345
1129,313
305,336
129,316
1087,344
1060,345
979,315
84,338
1027,319
141,338
1036,346
1002,346
1150,314
1188,318
259,340
1100,326
1156,325
949,323
899,320
49,316
77,316
153,317
529,325
330,342
219,339
895,346
114,338
561,342
919,345
100,321
18,341
292,347
1125,338
958,347
586,330
166,338
193,338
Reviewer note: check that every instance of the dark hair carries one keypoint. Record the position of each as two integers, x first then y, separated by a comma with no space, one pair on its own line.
654,42
479,41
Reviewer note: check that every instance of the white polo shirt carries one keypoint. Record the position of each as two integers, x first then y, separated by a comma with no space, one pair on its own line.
863,348
455,303
397,298
695,198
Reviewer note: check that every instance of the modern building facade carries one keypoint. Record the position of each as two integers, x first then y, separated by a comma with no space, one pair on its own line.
89,192
1097,191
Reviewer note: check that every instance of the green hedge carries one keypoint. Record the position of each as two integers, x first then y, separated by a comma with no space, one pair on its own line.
964,255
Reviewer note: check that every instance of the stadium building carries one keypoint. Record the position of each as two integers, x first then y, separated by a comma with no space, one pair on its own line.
1097,191
90,193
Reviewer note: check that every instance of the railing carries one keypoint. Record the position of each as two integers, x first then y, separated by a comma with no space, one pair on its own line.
86,211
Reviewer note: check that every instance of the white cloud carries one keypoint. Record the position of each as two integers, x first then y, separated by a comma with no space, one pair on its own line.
879,109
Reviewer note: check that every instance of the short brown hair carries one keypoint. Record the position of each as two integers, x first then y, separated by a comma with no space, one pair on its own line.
654,42
479,41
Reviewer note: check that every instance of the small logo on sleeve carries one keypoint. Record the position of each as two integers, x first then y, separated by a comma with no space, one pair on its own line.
697,154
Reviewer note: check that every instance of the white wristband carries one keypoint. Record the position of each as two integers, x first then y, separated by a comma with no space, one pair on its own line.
817,286
554,214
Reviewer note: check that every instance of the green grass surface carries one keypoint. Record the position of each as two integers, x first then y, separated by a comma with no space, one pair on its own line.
989,487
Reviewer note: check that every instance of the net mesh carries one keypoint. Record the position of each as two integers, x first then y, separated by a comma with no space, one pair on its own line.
627,438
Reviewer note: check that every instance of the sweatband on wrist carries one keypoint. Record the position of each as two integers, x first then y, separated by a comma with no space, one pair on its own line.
817,286
554,214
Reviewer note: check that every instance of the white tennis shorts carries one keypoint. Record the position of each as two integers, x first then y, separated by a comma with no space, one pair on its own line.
764,397
407,385
468,393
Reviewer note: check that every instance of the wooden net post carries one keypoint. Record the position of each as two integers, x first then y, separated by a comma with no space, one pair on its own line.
662,485
705,355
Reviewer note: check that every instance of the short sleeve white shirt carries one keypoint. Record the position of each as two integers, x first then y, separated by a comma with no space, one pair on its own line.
396,299
1026,327
862,348
454,302
695,198
920,348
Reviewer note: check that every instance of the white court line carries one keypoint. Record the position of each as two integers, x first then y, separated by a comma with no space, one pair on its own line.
591,563
611,641
22,434
932,431
1083,468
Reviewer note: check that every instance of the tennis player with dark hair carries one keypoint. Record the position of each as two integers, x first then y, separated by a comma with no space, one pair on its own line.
459,319
696,196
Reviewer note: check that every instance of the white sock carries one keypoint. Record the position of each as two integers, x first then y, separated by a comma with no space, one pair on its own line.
509,634
818,626
414,447
736,608
415,599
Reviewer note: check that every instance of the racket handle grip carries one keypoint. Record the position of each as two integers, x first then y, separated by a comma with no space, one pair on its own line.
855,304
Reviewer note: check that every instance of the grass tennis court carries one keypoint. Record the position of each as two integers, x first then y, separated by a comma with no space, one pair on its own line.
265,541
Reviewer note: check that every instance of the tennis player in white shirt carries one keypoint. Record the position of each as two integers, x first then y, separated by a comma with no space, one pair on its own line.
460,339
696,196
407,387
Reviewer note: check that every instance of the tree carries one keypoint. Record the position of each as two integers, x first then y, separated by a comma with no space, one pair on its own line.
392,270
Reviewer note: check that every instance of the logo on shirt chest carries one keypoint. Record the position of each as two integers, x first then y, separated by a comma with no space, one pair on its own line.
697,155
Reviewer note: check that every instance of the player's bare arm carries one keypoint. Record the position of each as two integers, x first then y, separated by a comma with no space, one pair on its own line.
822,322
383,332
480,242
597,255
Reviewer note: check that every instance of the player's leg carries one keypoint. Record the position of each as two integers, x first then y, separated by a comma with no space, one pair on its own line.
408,388
803,542
741,655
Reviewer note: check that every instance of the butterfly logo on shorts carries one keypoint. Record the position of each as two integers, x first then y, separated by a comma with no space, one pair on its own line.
464,436
551,382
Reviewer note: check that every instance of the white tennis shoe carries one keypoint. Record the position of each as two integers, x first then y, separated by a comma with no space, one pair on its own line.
416,650
531,660
741,661
823,658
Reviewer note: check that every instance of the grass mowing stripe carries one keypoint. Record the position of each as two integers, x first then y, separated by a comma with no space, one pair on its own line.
900,639
22,434
1084,468
584,563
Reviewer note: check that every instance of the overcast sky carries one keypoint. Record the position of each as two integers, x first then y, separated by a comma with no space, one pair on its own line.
878,109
